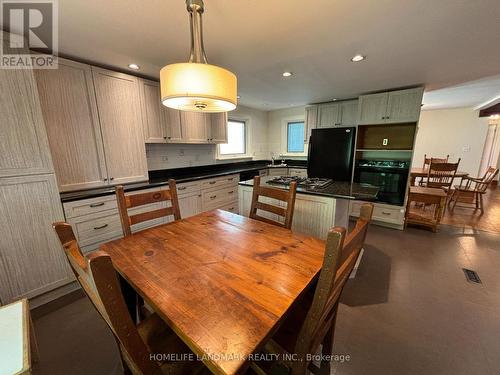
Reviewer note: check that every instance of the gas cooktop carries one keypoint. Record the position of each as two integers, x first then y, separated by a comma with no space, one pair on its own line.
313,183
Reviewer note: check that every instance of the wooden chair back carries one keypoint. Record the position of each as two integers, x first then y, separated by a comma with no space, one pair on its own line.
339,260
99,280
427,161
129,201
487,179
281,195
440,174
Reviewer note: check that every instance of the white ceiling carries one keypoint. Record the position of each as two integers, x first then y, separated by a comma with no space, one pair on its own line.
439,43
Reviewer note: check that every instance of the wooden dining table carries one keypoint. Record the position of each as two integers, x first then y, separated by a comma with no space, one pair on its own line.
423,172
221,281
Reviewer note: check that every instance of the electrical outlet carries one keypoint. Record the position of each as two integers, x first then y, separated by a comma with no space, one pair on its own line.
385,142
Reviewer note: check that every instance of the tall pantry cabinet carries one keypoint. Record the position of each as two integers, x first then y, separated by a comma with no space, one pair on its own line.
31,259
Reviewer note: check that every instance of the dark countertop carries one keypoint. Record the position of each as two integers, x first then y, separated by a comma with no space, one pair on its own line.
337,189
161,177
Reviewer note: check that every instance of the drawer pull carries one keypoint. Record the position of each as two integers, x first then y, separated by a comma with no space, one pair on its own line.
93,205
213,197
231,192
230,179
181,188
101,227
212,182
385,213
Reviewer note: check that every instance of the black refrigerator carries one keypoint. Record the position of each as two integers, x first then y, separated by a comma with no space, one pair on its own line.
331,153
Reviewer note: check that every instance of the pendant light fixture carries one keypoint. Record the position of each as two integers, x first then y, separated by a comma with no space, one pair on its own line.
197,85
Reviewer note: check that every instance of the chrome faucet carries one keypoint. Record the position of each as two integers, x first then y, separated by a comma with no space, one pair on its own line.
272,160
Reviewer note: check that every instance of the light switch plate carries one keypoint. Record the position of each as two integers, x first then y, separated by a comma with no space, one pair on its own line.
385,142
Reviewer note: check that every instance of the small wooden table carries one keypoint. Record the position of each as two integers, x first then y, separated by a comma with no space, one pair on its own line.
423,172
15,334
223,282
426,196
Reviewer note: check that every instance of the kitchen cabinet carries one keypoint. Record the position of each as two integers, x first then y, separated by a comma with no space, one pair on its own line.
390,107
329,115
349,113
218,128
118,105
311,120
190,204
154,129
161,124
277,171
195,126
32,261
24,146
70,112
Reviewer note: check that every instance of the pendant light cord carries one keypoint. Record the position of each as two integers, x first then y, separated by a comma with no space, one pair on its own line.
195,9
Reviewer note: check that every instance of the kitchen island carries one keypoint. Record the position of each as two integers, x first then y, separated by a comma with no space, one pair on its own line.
317,209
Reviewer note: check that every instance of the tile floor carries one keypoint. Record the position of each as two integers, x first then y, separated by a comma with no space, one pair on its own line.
409,311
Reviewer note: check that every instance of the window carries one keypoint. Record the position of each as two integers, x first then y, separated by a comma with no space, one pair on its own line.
236,139
295,136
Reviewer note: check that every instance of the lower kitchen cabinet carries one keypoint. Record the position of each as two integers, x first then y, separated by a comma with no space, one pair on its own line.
190,204
383,214
32,260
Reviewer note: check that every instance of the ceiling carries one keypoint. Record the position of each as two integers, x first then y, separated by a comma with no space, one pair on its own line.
437,43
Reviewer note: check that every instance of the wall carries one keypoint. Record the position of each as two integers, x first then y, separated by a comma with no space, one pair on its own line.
275,120
166,156
459,132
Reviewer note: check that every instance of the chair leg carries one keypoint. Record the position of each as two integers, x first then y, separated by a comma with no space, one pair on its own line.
481,206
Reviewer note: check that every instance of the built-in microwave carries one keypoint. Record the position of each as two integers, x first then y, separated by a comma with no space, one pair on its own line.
391,176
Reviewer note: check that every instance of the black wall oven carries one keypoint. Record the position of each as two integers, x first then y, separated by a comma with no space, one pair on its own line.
391,176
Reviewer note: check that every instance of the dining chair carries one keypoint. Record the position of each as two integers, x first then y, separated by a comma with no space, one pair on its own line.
312,322
471,190
287,197
427,161
137,343
441,175
125,202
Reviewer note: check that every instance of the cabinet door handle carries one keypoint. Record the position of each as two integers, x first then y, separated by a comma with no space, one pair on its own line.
96,204
231,192
230,179
213,197
111,178
101,227
181,188
105,179
212,182
385,213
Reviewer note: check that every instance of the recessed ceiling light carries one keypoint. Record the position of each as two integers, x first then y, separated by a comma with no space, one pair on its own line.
133,66
358,58
287,74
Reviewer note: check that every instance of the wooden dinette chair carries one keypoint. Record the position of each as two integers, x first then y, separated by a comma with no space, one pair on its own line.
312,322
277,194
129,201
471,190
137,343
427,161
441,175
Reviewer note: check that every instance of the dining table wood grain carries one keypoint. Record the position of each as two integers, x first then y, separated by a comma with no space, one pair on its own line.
221,281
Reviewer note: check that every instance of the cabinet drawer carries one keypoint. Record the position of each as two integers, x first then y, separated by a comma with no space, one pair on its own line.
89,206
215,199
381,212
231,207
96,229
188,188
211,183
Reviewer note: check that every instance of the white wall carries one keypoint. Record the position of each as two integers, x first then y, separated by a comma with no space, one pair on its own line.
276,120
459,132
166,156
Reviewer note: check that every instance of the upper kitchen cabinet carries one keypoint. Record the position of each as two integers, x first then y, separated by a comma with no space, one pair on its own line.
390,107
404,105
154,131
24,146
70,113
311,120
329,115
171,119
218,128
119,111
195,127
349,113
